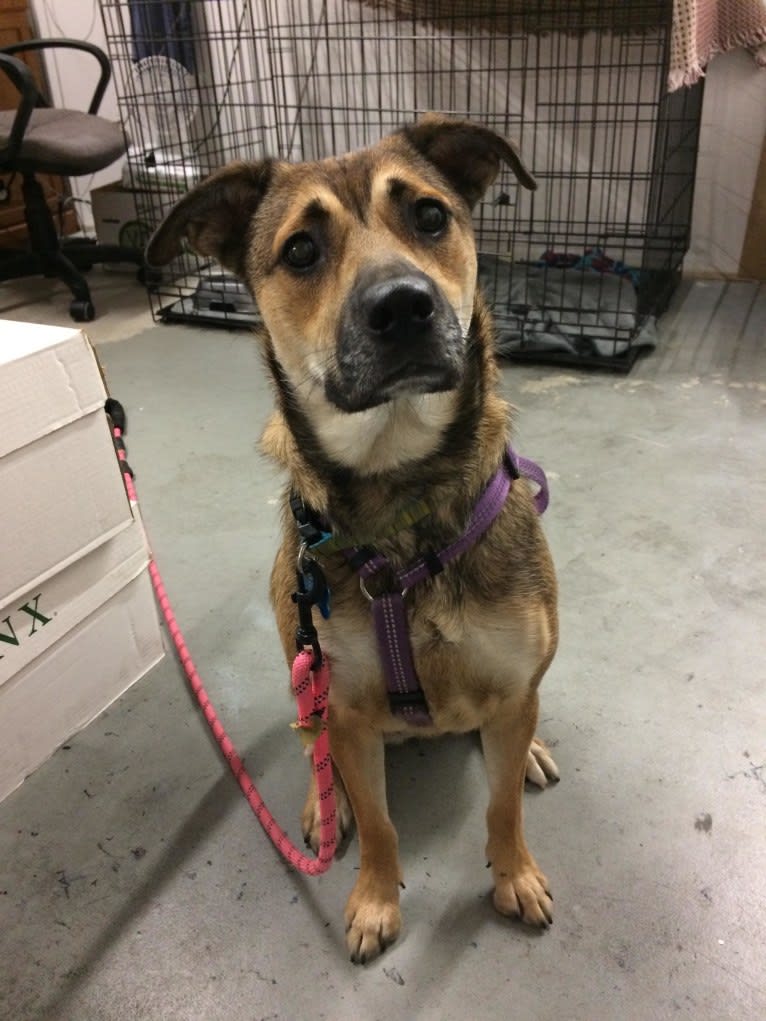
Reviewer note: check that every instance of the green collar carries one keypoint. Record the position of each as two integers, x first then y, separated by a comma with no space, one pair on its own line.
327,543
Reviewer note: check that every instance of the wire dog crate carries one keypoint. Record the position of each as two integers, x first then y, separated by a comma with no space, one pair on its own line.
576,272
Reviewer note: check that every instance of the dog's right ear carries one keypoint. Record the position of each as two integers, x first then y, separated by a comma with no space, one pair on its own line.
214,218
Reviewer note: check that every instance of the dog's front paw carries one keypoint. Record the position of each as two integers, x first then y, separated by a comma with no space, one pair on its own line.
372,924
524,895
541,769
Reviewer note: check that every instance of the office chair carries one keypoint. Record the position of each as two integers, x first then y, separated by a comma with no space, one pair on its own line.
36,138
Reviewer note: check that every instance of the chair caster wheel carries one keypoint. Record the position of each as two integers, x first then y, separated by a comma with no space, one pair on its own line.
82,310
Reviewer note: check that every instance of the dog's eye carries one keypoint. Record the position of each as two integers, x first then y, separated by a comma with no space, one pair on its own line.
300,251
430,216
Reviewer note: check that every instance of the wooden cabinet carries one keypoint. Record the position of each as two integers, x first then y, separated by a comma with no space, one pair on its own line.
15,27
753,260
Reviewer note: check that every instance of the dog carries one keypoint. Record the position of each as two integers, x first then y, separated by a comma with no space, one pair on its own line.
381,352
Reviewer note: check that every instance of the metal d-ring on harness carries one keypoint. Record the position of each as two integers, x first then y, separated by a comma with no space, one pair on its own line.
405,694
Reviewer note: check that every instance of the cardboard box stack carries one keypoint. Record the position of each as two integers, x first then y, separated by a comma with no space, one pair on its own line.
78,623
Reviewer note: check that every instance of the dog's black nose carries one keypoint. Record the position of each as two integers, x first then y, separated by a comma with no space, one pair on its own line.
398,336
400,308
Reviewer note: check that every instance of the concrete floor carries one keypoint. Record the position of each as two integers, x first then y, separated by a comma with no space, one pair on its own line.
134,881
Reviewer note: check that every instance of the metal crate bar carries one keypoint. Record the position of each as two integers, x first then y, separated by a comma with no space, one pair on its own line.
576,271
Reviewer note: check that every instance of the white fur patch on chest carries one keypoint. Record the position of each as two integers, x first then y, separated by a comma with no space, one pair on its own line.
379,439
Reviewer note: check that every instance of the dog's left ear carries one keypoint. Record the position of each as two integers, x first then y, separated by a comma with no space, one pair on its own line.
467,154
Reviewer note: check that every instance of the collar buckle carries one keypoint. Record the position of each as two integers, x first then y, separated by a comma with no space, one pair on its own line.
308,523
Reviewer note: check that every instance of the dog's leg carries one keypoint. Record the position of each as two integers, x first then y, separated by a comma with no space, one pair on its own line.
520,888
372,912
311,817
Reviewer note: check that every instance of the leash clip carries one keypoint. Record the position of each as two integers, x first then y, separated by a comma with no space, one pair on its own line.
308,525
311,590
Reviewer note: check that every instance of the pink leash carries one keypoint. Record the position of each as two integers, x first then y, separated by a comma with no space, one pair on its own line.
311,690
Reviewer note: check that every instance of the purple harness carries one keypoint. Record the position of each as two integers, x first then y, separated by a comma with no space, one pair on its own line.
405,696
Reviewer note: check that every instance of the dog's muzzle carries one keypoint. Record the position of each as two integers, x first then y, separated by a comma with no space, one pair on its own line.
398,336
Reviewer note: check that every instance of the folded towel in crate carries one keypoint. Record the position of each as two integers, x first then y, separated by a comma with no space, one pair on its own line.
571,308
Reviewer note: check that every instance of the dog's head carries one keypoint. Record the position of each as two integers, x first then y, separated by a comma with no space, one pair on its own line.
363,267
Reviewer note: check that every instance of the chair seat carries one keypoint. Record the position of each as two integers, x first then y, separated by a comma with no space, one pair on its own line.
65,142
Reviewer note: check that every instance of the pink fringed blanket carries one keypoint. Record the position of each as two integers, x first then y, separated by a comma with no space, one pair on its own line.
702,28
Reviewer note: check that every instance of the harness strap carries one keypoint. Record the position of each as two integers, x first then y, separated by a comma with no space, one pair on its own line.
367,562
405,696
484,513
530,470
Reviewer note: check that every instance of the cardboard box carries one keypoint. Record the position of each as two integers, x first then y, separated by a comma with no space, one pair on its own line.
117,221
78,623
125,217
61,491
82,670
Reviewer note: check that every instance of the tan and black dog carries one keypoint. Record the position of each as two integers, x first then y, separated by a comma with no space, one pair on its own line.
381,351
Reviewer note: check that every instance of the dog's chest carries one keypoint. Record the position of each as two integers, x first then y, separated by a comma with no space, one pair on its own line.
468,661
